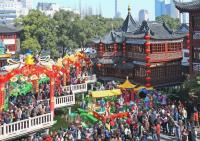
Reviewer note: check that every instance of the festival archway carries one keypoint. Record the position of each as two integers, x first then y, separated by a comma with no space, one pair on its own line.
28,70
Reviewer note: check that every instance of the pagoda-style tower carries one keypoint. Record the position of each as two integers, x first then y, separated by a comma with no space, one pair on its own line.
148,53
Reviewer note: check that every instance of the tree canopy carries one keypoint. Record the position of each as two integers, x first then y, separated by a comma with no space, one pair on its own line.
171,22
66,31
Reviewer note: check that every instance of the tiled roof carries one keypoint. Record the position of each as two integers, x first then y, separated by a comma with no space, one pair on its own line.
134,33
188,6
8,29
184,28
157,30
129,24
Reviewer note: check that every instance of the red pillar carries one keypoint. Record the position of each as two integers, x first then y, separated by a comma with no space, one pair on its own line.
190,53
148,64
2,95
52,88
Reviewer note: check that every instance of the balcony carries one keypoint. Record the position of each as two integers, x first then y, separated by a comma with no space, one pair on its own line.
27,126
166,56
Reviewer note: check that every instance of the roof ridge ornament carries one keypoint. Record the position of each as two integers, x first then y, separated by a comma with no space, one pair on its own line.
129,8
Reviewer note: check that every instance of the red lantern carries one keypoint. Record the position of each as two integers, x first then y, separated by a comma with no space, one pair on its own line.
147,58
124,62
148,78
147,37
188,35
148,71
148,85
147,44
99,65
188,41
147,51
148,64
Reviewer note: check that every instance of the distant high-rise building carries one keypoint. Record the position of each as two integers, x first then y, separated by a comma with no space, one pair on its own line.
159,7
48,9
117,13
164,7
90,11
143,15
27,3
174,13
11,9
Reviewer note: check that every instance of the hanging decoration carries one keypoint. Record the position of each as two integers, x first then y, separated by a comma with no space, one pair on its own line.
188,46
101,49
124,48
115,49
148,64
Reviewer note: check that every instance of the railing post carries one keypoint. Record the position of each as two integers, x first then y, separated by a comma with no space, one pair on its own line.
69,108
29,122
4,129
52,114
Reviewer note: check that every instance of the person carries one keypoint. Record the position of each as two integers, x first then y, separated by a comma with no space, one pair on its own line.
184,134
194,134
158,131
153,131
196,117
177,131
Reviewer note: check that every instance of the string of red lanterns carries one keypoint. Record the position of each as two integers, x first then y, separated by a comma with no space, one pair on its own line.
115,49
101,49
148,64
188,46
124,48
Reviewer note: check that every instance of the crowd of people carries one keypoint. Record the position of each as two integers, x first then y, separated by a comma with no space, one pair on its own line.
25,106
178,120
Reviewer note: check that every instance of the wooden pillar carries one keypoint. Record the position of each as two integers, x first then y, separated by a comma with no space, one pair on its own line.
64,79
2,95
52,88
148,64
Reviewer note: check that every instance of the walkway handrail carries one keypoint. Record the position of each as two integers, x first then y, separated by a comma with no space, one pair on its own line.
26,126
78,88
66,100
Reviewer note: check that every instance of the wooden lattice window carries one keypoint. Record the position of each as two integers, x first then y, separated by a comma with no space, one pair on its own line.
174,47
157,48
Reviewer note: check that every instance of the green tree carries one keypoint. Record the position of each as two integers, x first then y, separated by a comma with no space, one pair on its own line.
64,30
32,44
39,30
171,22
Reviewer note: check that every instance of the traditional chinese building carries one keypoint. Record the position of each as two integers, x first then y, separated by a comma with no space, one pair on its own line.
8,43
193,8
150,53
